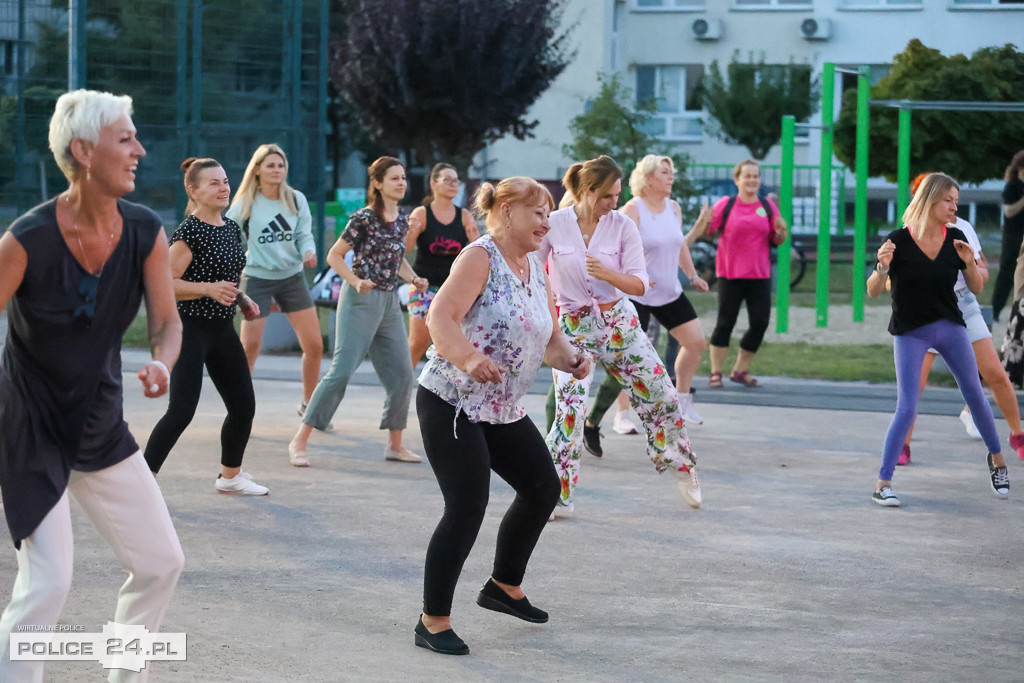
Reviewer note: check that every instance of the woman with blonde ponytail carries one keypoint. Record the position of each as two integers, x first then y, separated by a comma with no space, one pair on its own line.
595,258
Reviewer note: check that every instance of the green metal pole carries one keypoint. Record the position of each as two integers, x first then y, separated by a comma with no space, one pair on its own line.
76,44
860,206
180,100
321,128
786,207
196,117
903,165
825,194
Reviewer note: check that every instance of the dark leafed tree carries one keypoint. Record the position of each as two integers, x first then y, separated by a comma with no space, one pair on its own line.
971,146
441,78
747,108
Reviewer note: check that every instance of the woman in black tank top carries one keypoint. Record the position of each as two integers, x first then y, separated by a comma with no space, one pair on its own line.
438,230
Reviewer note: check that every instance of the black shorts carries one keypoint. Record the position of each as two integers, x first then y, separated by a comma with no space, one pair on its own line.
670,315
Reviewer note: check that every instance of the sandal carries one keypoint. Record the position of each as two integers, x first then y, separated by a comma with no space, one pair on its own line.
715,380
745,379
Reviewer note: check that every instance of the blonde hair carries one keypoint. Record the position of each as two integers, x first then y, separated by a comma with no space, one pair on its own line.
645,168
80,114
241,206
514,190
595,175
931,191
738,168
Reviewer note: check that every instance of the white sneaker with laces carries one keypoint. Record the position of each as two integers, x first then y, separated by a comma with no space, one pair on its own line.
968,420
401,455
622,424
241,484
689,412
689,486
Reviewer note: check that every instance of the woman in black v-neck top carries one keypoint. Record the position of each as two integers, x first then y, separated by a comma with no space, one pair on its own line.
921,262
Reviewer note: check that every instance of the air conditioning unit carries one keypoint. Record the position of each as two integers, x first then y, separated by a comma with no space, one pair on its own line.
815,28
707,29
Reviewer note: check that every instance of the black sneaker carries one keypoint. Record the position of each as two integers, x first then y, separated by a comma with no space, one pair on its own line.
885,497
592,440
999,478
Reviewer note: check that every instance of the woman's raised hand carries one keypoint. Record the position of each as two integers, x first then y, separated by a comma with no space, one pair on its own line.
885,252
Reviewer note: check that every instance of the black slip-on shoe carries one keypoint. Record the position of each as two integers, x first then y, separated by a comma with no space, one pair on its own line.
492,597
446,642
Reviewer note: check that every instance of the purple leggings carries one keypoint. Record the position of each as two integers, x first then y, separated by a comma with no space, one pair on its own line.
952,343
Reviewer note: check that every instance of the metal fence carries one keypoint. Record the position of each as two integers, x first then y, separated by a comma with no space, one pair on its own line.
208,78
713,181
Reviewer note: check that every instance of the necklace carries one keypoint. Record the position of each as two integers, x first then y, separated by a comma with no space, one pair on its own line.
81,247
521,267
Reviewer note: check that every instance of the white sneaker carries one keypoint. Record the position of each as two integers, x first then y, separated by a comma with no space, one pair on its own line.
401,455
622,424
689,412
689,486
241,484
968,420
561,511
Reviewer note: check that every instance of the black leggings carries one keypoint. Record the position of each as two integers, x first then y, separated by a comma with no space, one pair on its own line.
215,344
517,453
757,292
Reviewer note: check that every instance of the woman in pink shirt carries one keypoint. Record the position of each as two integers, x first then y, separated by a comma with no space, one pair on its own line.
595,256
744,271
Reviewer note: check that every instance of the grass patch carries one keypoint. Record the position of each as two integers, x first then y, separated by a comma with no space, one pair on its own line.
843,362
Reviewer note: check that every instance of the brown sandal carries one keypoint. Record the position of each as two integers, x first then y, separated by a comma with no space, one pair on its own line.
715,380
745,379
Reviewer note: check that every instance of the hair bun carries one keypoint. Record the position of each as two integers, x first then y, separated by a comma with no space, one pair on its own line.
188,162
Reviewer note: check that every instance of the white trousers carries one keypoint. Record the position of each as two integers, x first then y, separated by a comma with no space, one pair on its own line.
126,506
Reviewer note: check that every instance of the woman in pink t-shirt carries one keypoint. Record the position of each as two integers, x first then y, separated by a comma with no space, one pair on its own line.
744,271
595,256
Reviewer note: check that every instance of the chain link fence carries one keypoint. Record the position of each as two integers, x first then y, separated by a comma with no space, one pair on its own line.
208,78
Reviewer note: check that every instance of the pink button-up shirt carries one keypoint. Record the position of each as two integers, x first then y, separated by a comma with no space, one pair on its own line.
616,242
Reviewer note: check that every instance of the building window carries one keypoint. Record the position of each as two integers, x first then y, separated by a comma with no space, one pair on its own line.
772,4
677,106
880,4
668,5
986,4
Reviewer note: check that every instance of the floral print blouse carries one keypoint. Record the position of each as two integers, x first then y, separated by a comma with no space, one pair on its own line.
511,323
377,247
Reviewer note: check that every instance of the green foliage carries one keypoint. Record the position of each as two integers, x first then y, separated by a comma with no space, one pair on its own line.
39,103
747,109
971,146
613,125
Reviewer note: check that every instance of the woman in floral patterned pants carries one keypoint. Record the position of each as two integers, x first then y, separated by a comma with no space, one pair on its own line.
595,256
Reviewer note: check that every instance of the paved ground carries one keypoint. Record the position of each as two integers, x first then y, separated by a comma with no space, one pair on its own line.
788,572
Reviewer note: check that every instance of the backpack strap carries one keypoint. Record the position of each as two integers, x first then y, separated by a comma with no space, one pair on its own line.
732,202
727,210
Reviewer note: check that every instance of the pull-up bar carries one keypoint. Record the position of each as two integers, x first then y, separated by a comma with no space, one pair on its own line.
903,153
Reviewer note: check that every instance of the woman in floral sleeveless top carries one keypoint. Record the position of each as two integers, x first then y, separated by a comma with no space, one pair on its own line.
492,326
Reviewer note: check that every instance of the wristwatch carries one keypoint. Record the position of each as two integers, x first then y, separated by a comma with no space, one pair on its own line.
882,270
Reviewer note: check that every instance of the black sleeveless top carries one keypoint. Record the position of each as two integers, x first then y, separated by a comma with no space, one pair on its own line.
61,403
438,245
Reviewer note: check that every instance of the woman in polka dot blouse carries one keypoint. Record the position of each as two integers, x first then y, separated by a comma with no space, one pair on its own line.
206,262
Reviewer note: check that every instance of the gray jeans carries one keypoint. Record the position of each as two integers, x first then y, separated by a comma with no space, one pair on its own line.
367,322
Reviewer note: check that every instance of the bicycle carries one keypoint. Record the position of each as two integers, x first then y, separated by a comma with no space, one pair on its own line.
704,252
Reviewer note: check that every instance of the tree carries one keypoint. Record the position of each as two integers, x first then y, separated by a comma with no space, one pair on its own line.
748,109
612,125
961,144
441,78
